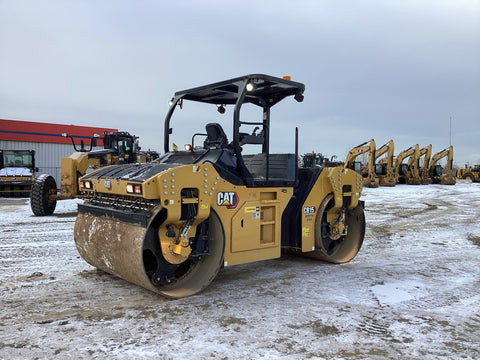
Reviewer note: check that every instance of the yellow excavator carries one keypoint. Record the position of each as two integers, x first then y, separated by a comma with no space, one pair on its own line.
436,171
424,171
172,224
409,173
398,163
368,172
384,169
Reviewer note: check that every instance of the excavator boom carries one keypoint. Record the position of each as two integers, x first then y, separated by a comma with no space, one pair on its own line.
368,173
435,171
427,153
384,169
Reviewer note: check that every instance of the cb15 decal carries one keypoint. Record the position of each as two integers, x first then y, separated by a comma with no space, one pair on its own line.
309,210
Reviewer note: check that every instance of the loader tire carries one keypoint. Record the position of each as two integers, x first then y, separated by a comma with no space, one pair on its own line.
347,246
42,202
468,176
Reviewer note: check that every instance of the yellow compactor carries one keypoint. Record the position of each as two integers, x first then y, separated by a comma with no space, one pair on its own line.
172,224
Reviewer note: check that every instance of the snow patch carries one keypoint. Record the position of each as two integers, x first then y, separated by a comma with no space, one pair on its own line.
398,291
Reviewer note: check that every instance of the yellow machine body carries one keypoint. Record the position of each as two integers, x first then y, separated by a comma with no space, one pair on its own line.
250,219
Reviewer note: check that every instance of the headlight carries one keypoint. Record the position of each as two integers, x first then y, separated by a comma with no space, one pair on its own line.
134,189
86,184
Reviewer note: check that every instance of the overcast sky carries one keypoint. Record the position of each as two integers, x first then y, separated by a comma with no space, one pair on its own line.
373,69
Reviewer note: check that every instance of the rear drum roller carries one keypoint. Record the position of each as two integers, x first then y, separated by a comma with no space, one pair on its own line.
42,195
346,246
133,253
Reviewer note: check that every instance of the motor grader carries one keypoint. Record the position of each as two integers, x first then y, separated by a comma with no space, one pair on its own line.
118,147
171,225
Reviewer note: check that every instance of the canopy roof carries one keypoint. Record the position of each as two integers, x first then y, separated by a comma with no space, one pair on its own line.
267,91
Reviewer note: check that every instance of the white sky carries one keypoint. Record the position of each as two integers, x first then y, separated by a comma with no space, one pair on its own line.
372,69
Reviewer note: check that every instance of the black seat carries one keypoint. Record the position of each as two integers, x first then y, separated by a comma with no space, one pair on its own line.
216,137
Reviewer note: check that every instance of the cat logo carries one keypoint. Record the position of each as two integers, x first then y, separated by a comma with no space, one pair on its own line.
107,184
228,199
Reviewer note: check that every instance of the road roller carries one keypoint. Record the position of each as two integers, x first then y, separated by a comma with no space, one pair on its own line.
171,225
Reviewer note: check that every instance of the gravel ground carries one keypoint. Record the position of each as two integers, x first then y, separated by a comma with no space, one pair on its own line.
413,291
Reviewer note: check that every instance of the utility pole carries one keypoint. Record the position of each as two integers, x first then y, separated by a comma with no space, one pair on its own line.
450,143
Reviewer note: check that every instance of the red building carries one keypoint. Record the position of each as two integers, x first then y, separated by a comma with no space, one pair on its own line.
30,131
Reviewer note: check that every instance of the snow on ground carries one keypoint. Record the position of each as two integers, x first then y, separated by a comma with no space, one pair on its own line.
413,291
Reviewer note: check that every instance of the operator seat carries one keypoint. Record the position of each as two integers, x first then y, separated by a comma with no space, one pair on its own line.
216,137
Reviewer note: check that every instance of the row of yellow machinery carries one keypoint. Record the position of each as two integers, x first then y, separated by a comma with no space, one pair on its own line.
413,166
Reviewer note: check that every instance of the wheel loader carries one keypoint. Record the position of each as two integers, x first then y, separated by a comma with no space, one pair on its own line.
118,147
470,173
17,171
171,225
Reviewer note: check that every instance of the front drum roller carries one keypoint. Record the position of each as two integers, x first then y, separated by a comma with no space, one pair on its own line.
338,249
133,253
